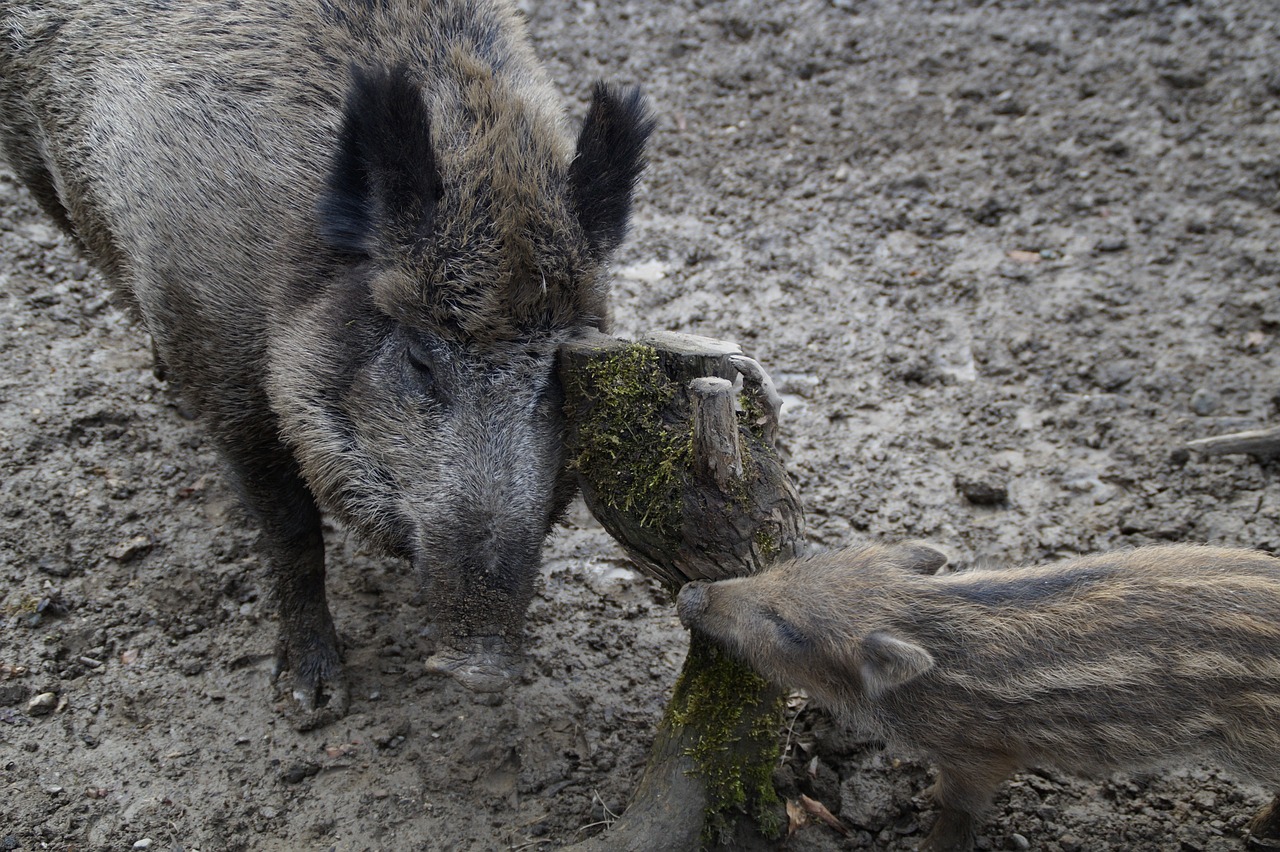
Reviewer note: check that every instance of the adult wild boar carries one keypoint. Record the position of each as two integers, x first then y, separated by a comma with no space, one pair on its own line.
357,231
1122,661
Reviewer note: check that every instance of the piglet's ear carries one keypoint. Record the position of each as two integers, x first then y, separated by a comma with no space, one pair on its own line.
889,662
608,163
384,183
919,557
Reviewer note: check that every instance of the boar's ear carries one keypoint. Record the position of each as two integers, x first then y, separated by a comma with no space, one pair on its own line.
888,662
610,157
384,178
919,557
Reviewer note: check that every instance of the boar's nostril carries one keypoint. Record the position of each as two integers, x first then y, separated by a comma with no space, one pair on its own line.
691,603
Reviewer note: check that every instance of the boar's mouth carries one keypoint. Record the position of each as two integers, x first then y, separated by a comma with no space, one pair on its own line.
486,664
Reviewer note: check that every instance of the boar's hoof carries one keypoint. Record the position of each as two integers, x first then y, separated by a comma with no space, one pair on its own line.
479,669
318,691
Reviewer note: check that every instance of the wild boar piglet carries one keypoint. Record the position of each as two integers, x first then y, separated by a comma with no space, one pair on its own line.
1133,660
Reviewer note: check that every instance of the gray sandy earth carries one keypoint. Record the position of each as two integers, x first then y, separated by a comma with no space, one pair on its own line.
1004,260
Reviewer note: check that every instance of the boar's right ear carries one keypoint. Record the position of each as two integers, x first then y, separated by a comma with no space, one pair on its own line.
384,179
889,662
608,162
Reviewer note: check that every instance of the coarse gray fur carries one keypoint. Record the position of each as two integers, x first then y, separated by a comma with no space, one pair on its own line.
356,230
1132,660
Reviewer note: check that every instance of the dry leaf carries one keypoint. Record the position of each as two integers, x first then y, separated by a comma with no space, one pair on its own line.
129,656
796,817
819,810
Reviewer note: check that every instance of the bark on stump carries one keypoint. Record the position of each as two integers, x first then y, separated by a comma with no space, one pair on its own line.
682,470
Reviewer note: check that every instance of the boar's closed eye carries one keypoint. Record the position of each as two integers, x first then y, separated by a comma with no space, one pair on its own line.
788,632
421,362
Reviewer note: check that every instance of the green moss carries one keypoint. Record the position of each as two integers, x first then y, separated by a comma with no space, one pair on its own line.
735,716
632,459
767,543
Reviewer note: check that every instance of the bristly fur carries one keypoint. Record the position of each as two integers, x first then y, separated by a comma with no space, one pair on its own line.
1122,661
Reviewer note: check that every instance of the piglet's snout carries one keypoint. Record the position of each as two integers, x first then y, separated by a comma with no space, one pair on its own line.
691,603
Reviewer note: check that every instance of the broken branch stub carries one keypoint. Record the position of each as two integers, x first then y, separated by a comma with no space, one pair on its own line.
677,466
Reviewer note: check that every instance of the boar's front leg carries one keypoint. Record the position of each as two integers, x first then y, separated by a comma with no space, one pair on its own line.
293,544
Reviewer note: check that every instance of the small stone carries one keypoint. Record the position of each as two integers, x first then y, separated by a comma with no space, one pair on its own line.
43,704
982,490
1113,375
1070,843
130,549
298,772
268,812
1204,402
1020,842
12,693
144,843
1113,244
53,566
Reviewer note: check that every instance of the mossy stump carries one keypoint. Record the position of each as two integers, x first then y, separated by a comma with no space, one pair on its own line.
682,470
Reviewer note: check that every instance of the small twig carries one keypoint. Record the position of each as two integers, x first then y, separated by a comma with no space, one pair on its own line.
1259,442
791,730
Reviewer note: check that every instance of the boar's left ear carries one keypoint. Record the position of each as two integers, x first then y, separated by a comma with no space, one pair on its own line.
384,183
608,162
889,662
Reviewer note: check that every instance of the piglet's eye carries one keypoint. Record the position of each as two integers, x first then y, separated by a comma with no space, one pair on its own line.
419,360
788,632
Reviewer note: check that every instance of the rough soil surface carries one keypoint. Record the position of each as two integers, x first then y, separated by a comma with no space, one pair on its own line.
1004,259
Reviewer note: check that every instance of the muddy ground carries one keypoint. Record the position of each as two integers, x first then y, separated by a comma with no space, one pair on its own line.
1003,259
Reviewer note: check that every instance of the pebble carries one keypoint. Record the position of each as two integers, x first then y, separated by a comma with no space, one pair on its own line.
12,693
1020,842
42,704
130,549
982,490
53,566
1113,375
1204,402
298,772
1070,843
144,843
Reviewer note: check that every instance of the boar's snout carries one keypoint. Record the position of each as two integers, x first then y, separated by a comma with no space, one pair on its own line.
487,664
692,603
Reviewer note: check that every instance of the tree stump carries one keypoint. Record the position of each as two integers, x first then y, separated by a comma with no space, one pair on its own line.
683,471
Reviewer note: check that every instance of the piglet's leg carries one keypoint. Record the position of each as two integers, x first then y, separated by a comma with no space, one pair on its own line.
963,791
1264,829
